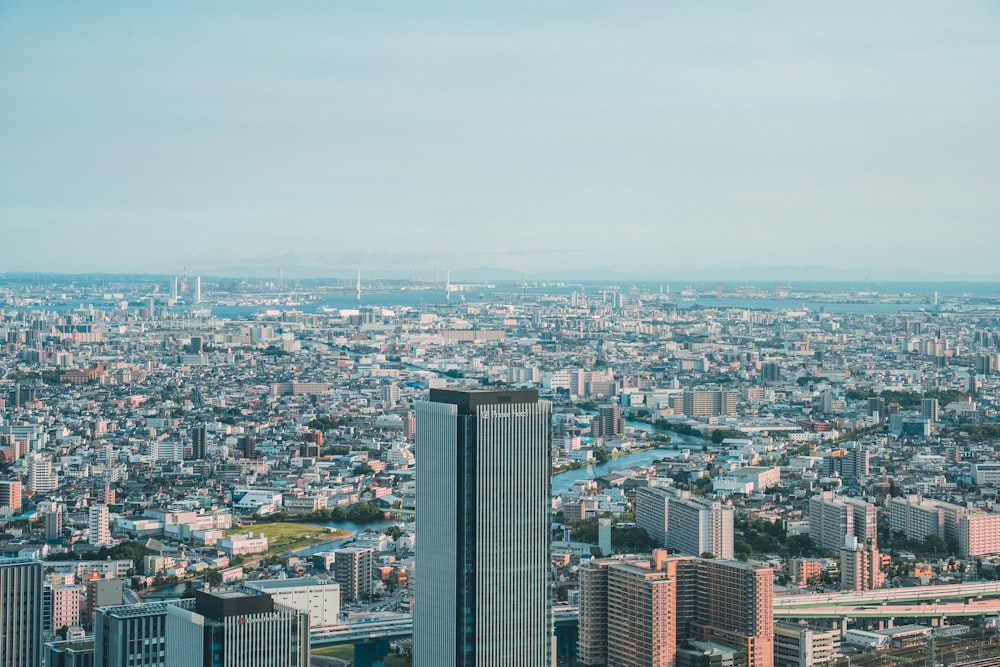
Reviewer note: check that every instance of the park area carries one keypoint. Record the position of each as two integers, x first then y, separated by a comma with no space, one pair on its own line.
285,536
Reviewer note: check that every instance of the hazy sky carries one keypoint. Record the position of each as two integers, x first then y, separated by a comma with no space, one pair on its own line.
659,138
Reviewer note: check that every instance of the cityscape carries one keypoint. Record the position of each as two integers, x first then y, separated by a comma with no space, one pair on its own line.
455,334
237,472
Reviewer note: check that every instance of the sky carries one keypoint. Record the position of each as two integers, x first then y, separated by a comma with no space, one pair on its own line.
657,139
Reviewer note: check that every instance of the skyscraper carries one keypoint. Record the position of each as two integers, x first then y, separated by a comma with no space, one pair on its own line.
20,613
483,486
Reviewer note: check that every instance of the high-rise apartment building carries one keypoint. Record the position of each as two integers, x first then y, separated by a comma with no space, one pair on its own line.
236,629
20,613
673,600
852,464
41,479
832,518
100,525
978,534
10,496
691,525
483,486
352,569
860,566
608,423
709,403
919,518
643,630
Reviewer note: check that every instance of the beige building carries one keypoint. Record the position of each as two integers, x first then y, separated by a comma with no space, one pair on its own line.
860,566
631,608
978,534
798,645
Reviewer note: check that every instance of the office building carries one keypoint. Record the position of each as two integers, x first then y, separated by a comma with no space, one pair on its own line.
100,525
236,629
799,645
70,653
21,602
483,515
352,569
691,525
983,474
10,496
199,438
133,635
929,409
832,518
631,608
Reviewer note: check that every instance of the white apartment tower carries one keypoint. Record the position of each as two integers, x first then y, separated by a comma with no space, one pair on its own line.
483,495
100,525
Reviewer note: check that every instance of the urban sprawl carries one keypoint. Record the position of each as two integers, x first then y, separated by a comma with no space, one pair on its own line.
255,472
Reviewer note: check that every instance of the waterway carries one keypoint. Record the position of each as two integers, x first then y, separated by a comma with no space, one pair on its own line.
562,482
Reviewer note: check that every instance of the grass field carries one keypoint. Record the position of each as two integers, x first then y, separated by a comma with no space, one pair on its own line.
287,536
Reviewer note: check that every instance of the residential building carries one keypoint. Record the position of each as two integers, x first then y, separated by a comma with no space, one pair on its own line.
919,518
832,518
100,525
860,566
483,484
689,524
608,423
978,534
352,569
710,403
632,608
10,496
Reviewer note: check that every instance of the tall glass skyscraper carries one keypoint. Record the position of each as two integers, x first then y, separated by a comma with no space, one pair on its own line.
20,613
483,520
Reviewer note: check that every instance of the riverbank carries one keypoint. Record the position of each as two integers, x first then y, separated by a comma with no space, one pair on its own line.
576,465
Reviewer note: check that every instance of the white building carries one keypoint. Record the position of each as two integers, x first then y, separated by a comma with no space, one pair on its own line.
242,544
100,525
319,598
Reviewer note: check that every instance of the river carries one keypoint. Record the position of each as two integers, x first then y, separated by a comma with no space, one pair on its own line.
562,482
